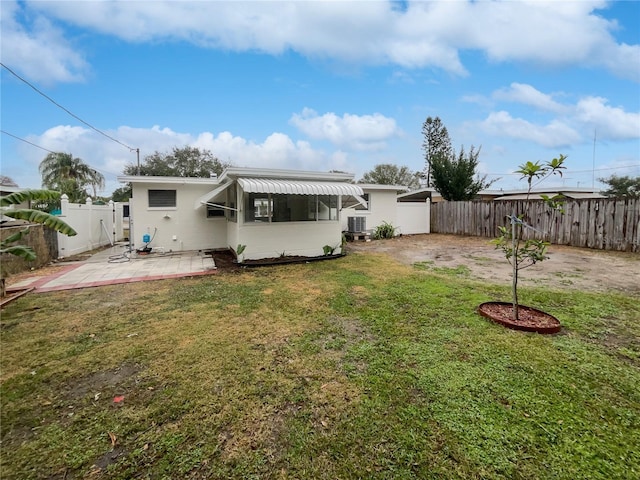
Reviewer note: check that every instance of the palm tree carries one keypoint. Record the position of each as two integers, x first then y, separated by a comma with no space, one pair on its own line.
66,174
33,216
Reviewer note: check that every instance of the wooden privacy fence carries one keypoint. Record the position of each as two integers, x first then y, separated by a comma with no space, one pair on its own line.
606,224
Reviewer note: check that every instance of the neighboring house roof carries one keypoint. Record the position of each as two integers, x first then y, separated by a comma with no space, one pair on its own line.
538,196
575,193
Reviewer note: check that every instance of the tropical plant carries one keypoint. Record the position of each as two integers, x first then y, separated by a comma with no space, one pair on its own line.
240,252
71,176
384,230
522,253
329,250
8,245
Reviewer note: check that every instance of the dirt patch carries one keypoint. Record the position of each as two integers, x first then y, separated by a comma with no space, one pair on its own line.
567,267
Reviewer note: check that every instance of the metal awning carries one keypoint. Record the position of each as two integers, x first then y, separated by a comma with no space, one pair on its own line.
207,197
293,187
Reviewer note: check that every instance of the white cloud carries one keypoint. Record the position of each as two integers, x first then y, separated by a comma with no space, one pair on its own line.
526,94
554,134
585,116
360,132
276,151
39,51
425,34
609,122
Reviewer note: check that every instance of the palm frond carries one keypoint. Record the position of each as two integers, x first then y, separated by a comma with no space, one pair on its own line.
36,216
16,237
17,198
20,251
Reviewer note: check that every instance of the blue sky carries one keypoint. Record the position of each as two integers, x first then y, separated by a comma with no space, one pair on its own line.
324,85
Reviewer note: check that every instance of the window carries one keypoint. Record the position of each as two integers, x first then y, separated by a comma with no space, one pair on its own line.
263,207
257,207
327,207
231,201
215,212
359,206
162,198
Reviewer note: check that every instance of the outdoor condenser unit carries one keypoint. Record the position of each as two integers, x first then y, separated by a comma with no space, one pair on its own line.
357,224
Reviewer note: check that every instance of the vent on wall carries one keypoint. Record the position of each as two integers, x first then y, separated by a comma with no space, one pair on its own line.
357,224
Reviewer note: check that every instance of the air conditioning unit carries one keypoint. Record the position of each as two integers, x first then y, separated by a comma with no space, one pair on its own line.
357,224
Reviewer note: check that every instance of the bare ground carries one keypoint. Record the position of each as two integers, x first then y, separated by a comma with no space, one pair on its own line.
567,267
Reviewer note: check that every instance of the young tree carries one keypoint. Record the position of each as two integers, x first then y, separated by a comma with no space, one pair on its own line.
71,176
456,179
521,253
436,143
181,162
625,186
8,245
389,174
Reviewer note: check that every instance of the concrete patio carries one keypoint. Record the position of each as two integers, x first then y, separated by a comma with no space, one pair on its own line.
117,265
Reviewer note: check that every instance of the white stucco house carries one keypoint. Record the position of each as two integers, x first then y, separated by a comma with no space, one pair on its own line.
269,211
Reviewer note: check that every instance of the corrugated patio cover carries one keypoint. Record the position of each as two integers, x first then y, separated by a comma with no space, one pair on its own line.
294,187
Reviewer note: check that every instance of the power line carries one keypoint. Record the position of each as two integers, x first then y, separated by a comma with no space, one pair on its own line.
27,141
50,151
70,113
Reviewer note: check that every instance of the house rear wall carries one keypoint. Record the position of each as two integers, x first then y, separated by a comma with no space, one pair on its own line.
177,228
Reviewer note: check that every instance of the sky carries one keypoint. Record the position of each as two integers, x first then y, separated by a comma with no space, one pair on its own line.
322,85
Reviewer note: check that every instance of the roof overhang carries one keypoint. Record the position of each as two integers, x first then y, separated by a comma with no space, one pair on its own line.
281,174
298,187
168,180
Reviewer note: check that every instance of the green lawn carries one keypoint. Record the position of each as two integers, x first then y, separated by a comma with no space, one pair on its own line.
355,368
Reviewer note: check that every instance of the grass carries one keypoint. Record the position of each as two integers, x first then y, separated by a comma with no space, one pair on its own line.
357,368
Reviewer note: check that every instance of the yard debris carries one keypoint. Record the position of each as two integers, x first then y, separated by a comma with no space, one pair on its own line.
97,396
113,439
132,335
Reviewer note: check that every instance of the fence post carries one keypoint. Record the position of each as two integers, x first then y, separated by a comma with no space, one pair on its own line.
62,239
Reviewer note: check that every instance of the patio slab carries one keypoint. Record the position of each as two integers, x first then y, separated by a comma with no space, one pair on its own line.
116,265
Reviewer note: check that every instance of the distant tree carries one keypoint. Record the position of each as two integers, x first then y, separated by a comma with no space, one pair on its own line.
122,194
436,142
7,181
71,176
455,178
180,162
389,174
625,186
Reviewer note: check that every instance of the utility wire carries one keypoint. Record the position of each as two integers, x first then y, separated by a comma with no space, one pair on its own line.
50,151
70,113
27,141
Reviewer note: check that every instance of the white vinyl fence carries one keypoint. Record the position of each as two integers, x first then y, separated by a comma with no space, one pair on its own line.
413,217
96,225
